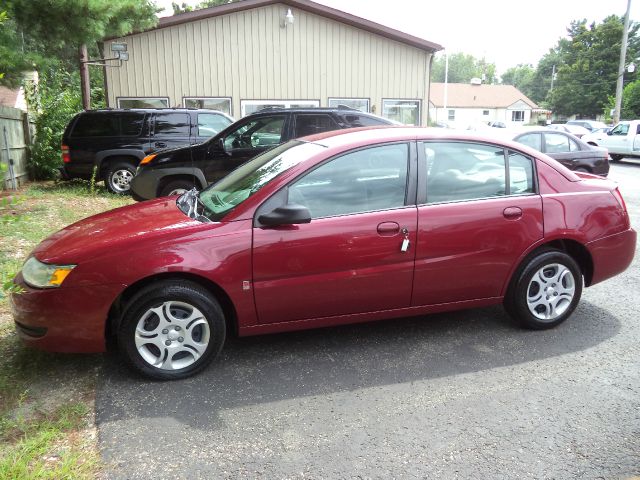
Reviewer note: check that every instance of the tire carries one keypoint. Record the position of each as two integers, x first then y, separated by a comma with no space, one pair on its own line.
176,187
118,177
171,330
615,157
582,169
546,291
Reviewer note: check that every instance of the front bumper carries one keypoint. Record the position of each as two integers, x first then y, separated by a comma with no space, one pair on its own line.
612,255
63,319
144,184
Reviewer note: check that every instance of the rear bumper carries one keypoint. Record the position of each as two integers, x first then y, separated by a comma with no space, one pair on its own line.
68,320
612,255
69,171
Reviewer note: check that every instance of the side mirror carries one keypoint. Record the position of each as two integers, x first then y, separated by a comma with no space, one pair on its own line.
221,146
609,132
290,214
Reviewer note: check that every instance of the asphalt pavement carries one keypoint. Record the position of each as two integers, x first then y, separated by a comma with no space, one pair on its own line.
456,395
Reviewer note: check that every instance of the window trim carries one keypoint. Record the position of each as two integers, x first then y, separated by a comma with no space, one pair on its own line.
419,101
286,103
366,99
451,114
421,194
514,112
230,99
119,99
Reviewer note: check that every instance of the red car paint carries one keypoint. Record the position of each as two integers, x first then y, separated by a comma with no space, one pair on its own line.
334,270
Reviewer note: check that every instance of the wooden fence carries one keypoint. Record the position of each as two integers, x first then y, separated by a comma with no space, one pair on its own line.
15,138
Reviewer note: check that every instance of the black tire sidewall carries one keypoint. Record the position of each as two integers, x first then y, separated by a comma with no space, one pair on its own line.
152,296
112,169
173,184
517,301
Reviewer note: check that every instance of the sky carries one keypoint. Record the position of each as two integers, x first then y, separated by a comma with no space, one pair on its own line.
504,32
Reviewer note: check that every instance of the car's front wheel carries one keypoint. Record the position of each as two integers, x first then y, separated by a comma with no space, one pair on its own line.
176,187
171,330
615,157
118,177
546,291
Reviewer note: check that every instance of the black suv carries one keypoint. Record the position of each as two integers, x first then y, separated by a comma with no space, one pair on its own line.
114,141
174,171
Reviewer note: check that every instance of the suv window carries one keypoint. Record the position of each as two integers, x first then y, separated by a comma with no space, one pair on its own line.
308,124
210,123
101,124
263,131
172,124
363,121
361,181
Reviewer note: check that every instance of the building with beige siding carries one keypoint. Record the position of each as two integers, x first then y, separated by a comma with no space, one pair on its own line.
243,56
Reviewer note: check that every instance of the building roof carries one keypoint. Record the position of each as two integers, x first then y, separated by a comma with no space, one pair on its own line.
477,96
307,6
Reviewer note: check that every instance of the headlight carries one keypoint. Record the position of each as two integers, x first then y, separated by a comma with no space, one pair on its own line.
41,275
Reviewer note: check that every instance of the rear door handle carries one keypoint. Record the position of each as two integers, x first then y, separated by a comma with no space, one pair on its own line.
512,213
160,144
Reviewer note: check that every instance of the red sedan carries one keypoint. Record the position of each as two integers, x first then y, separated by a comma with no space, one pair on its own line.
342,227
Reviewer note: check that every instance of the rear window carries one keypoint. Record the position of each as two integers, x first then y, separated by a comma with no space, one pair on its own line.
108,124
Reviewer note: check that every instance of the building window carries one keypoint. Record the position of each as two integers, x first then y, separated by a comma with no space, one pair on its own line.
451,115
143,102
485,112
517,116
361,104
251,106
222,104
403,111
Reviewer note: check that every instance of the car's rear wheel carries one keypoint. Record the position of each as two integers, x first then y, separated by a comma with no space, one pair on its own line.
171,330
176,187
118,177
615,157
546,291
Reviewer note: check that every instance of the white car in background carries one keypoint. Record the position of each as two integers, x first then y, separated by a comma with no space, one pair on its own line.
623,140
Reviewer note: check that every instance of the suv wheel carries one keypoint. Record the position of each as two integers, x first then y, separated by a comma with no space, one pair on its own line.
176,187
118,177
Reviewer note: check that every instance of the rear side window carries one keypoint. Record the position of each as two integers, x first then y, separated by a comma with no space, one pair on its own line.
310,124
106,124
210,123
177,124
532,140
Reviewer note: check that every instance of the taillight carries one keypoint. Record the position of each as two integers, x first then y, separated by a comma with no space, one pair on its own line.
66,156
618,196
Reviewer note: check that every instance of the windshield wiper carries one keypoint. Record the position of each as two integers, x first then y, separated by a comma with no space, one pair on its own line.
189,202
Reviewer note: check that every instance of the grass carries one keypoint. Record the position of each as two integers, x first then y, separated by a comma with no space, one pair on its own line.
46,400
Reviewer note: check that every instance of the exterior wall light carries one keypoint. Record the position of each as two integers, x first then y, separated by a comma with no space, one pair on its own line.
288,19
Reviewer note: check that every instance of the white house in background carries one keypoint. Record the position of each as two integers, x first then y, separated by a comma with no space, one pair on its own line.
469,104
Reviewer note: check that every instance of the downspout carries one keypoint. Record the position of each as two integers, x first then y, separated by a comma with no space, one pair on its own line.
429,90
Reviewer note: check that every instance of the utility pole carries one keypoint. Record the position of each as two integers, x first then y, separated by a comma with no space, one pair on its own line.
623,55
84,77
553,77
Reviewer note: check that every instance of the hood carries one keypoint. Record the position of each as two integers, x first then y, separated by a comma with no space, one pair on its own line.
116,229
179,154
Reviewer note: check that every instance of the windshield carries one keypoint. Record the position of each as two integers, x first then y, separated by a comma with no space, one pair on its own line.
222,197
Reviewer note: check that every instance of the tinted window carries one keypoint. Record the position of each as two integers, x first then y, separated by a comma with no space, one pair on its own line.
310,124
263,131
532,140
520,174
109,124
362,181
556,143
177,124
209,124
464,171
363,121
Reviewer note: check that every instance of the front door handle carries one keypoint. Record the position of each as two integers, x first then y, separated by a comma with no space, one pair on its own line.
388,229
160,145
512,213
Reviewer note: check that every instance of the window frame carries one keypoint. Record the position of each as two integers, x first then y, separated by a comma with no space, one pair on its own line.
368,100
229,99
516,113
451,114
281,196
421,193
416,100
120,99
284,104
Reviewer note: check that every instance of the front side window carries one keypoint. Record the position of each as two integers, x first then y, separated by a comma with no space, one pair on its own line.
517,116
362,181
141,102
209,124
403,111
222,104
177,124
532,140
620,129
361,104
556,143
261,132
308,124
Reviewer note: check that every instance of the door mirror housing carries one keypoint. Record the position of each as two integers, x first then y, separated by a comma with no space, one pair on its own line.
290,214
221,146
609,132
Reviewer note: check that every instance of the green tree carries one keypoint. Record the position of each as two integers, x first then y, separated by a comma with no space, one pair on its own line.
521,77
462,68
184,8
587,69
